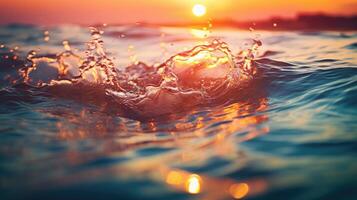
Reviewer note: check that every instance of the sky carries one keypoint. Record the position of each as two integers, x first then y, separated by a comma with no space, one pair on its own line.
160,11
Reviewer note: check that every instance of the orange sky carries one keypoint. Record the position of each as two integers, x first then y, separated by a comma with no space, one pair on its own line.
159,11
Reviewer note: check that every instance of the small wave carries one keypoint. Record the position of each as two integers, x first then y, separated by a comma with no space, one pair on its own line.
205,75
270,53
352,46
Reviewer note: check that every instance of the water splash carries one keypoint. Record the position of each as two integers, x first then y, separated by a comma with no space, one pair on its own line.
200,76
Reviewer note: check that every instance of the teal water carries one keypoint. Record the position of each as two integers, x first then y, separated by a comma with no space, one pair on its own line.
287,133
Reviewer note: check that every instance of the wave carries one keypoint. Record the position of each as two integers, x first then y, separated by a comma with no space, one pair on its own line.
206,75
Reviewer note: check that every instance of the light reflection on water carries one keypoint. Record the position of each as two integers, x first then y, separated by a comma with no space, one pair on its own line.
188,141
292,129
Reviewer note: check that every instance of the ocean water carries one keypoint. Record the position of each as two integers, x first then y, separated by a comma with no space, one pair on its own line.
143,112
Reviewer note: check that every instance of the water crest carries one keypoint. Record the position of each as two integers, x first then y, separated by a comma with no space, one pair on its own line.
205,75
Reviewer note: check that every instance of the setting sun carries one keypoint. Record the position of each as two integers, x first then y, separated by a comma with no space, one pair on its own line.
199,10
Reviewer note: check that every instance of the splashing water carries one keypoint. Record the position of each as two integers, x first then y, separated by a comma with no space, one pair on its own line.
199,76
210,122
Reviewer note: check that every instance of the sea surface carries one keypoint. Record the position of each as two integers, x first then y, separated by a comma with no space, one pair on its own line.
147,112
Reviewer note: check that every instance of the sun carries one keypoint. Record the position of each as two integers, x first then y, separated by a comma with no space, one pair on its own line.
199,10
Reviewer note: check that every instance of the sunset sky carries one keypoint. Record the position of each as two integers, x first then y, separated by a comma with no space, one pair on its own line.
159,11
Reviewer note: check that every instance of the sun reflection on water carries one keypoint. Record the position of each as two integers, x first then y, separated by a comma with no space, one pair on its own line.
210,187
200,33
193,184
192,138
239,190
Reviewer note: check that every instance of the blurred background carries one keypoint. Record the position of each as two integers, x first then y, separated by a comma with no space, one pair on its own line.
162,11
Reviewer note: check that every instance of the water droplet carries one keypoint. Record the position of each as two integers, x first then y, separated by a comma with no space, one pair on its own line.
46,36
66,45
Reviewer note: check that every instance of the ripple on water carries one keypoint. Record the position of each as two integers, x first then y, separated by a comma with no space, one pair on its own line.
281,122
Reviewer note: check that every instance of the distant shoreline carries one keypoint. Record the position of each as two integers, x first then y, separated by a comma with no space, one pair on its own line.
302,22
